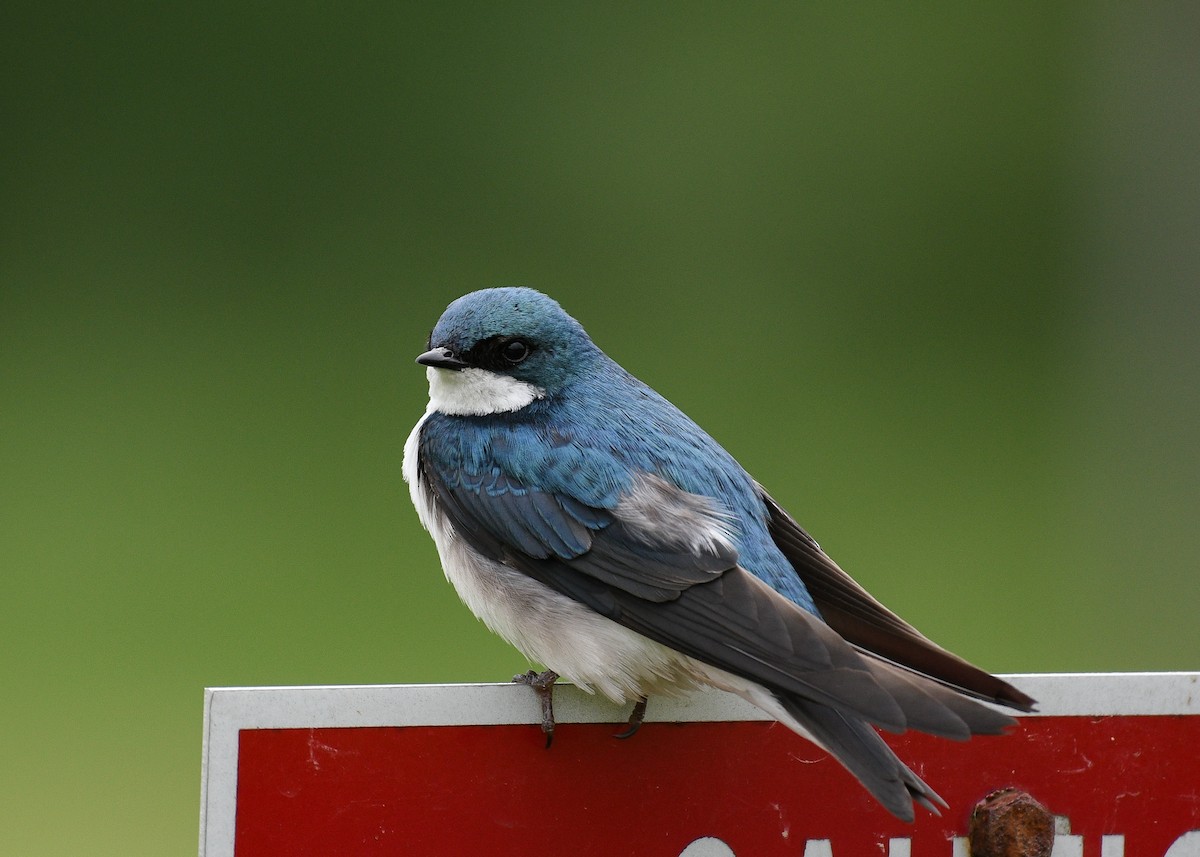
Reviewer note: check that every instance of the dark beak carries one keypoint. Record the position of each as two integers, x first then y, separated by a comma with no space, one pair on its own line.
442,358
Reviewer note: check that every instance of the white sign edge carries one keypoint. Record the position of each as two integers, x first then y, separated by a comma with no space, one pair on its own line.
228,710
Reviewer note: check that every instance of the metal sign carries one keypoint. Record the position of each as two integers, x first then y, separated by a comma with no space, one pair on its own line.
462,769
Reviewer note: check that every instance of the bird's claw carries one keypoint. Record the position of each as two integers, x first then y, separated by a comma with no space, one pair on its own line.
635,720
543,685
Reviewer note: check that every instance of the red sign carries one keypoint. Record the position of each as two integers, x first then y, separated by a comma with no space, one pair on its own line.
1122,784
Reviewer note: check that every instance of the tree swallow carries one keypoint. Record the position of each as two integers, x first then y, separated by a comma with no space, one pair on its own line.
591,524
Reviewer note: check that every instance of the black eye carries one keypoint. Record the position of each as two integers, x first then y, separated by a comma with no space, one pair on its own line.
514,351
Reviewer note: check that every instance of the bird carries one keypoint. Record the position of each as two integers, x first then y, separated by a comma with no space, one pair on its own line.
600,531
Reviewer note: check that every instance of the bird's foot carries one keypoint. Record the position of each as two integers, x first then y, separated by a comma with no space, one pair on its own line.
543,685
635,720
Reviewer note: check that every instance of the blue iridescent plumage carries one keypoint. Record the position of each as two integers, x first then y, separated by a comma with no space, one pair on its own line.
591,523
583,453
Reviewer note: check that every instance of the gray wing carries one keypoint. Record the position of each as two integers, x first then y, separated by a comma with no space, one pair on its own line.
863,621
527,528
680,585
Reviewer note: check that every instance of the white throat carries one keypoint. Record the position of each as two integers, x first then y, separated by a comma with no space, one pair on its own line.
477,392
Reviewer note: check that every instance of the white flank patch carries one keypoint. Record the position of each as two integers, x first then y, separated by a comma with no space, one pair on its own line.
670,516
477,392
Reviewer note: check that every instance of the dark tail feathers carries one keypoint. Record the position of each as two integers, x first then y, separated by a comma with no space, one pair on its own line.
928,706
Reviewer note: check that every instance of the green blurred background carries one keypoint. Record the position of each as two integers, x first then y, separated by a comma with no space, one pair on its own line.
930,274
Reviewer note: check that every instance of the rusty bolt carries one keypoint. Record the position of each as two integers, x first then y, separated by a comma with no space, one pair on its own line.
1010,823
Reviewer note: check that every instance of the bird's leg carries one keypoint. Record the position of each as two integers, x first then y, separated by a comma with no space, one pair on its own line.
543,685
635,719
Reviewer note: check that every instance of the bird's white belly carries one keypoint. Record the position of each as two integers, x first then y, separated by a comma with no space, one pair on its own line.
551,629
